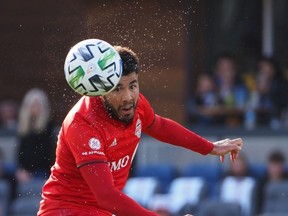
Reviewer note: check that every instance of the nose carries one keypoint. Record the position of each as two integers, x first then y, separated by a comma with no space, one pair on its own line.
126,96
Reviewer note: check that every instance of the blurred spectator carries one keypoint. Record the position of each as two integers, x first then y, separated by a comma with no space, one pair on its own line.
269,99
239,168
36,137
8,115
5,171
202,106
238,186
6,175
232,92
275,173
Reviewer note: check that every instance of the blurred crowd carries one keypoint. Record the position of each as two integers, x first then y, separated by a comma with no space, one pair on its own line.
240,189
35,152
232,98
35,133
225,97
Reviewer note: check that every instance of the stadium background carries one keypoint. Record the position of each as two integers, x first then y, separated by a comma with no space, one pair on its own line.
175,40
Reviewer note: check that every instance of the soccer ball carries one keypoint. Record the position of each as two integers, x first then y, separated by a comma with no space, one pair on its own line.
93,67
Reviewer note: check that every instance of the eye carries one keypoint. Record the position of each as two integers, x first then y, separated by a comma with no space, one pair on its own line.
133,86
117,89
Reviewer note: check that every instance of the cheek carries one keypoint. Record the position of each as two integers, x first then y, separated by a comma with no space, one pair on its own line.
111,99
136,94
114,102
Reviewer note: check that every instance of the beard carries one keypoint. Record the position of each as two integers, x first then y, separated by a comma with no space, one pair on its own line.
114,112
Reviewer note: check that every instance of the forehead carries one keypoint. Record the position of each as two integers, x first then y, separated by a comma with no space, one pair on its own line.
128,79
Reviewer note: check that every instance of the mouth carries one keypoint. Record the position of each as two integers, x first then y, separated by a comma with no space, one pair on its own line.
127,110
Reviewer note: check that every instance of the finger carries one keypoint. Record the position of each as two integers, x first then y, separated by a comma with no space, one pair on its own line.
235,148
236,155
233,155
222,158
237,141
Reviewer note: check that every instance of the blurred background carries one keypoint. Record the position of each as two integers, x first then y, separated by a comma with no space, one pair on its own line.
218,67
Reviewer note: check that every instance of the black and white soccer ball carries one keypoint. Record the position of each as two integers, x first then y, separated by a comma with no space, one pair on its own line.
93,67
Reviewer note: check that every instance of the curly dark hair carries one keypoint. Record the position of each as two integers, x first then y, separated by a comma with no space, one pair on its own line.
129,58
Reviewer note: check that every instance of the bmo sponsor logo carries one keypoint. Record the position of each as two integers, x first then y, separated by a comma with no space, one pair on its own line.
121,163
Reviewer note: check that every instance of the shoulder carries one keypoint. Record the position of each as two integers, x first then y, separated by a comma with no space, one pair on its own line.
145,111
143,102
143,105
85,107
86,111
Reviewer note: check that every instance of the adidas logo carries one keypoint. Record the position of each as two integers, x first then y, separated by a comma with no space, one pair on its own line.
114,143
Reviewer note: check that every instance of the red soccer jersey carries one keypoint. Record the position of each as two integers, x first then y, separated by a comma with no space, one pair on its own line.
89,134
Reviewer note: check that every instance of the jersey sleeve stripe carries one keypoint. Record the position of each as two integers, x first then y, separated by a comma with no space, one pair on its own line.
91,162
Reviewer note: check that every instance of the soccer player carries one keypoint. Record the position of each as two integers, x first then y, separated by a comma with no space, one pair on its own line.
96,145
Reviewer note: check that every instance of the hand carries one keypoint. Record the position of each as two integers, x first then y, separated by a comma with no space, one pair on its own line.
223,147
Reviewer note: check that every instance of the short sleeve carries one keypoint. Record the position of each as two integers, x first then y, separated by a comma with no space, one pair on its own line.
85,142
146,112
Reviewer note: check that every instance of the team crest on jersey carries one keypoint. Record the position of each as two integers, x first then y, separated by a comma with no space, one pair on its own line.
138,128
114,143
94,144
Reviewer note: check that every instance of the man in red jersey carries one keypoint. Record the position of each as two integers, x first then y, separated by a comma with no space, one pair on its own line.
96,145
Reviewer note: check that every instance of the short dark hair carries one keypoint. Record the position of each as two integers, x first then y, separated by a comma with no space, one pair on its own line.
130,60
277,156
278,73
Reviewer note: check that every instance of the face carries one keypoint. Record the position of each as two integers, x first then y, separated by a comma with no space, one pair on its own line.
226,70
239,167
35,108
122,101
276,170
266,70
205,84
